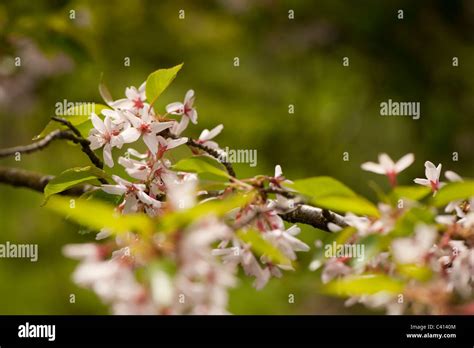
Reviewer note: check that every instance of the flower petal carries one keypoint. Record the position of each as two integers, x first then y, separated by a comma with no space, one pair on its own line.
130,135
114,189
96,142
189,98
216,131
278,171
424,182
124,104
132,93
98,123
431,171
176,108
386,162
373,167
157,127
193,115
452,176
108,155
404,162
176,142
151,142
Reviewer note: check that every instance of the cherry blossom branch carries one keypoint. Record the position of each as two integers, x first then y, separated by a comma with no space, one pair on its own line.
303,213
35,181
85,144
56,134
316,217
39,145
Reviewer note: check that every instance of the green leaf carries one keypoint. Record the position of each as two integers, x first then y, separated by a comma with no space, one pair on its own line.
262,247
421,273
372,245
339,238
72,177
365,284
329,193
216,207
103,196
97,215
77,119
414,193
158,81
321,186
357,205
202,165
405,225
453,192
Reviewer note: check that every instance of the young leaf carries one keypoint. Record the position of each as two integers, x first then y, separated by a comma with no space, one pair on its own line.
364,284
216,207
454,191
72,177
158,81
338,238
414,193
329,193
321,186
263,247
357,205
421,273
406,224
371,245
202,165
97,215
77,119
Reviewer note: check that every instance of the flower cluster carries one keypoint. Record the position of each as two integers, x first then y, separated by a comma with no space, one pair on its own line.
412,256
206,253
435,254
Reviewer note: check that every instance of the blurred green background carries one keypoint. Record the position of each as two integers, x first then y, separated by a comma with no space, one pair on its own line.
282,61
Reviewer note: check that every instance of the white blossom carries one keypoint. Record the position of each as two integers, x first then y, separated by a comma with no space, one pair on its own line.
135,99
413,249
388,167
107,134
432,174
207,135
148,127
134,194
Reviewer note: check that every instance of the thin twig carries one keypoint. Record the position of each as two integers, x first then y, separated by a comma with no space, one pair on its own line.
39,145
68,124
35,181
214,153
85,144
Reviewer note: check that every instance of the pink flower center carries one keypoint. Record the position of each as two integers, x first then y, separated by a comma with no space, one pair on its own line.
392,178
434,185
138,103
144,128
131,189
